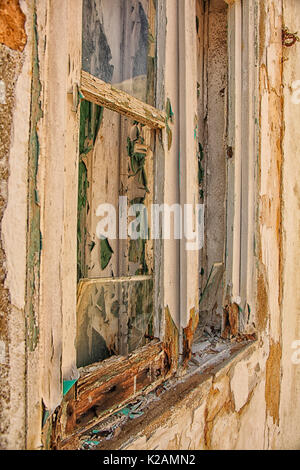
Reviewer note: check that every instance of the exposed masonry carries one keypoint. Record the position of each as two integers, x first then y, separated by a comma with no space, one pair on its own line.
12,42
34,240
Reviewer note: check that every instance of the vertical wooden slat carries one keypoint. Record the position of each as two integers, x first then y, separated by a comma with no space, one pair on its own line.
159,168
69,247
246,140
189,260
248,155
234,151
59,206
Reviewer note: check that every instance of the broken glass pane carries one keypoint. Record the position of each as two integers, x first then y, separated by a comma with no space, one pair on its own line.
114,316
115,173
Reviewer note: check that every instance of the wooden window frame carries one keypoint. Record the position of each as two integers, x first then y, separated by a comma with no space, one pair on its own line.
116,380
112,378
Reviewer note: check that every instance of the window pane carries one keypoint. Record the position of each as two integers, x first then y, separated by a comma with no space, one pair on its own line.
119,44
114,317
115,174
115,193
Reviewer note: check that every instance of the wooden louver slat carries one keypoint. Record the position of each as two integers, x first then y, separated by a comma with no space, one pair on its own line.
95,90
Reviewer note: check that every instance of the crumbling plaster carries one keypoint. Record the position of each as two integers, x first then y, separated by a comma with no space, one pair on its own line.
15,71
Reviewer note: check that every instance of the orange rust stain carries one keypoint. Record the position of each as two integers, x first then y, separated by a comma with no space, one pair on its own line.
12,25
273,376
262,304
188,336
171,341
230,320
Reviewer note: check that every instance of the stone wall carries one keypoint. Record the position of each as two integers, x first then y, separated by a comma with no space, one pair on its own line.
13,39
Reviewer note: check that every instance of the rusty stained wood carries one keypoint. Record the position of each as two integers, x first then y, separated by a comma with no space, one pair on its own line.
105,387
95,90
171,341
188,336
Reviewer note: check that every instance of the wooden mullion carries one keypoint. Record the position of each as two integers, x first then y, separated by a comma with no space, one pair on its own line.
95,90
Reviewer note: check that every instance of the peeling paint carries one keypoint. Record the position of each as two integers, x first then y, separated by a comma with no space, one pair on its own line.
169,118
90,121
34,234
238,405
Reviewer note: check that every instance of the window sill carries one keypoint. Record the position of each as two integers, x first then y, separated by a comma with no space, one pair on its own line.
155,407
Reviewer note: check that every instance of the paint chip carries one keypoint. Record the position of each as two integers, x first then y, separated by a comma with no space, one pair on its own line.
2,353
2,92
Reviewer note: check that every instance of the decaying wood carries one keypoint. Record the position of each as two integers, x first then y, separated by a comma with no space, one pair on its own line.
95,90
171,341
188,336
230,320
105,387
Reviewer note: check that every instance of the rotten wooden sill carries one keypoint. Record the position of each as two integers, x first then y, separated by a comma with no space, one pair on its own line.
156,399
105,387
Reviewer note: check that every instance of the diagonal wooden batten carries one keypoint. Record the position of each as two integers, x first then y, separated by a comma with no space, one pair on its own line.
95,90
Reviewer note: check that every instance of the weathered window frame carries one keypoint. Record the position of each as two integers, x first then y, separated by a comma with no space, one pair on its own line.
166,351
118,377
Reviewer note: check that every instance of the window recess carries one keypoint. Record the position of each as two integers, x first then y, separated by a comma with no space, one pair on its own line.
212,89
227,42
243,135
